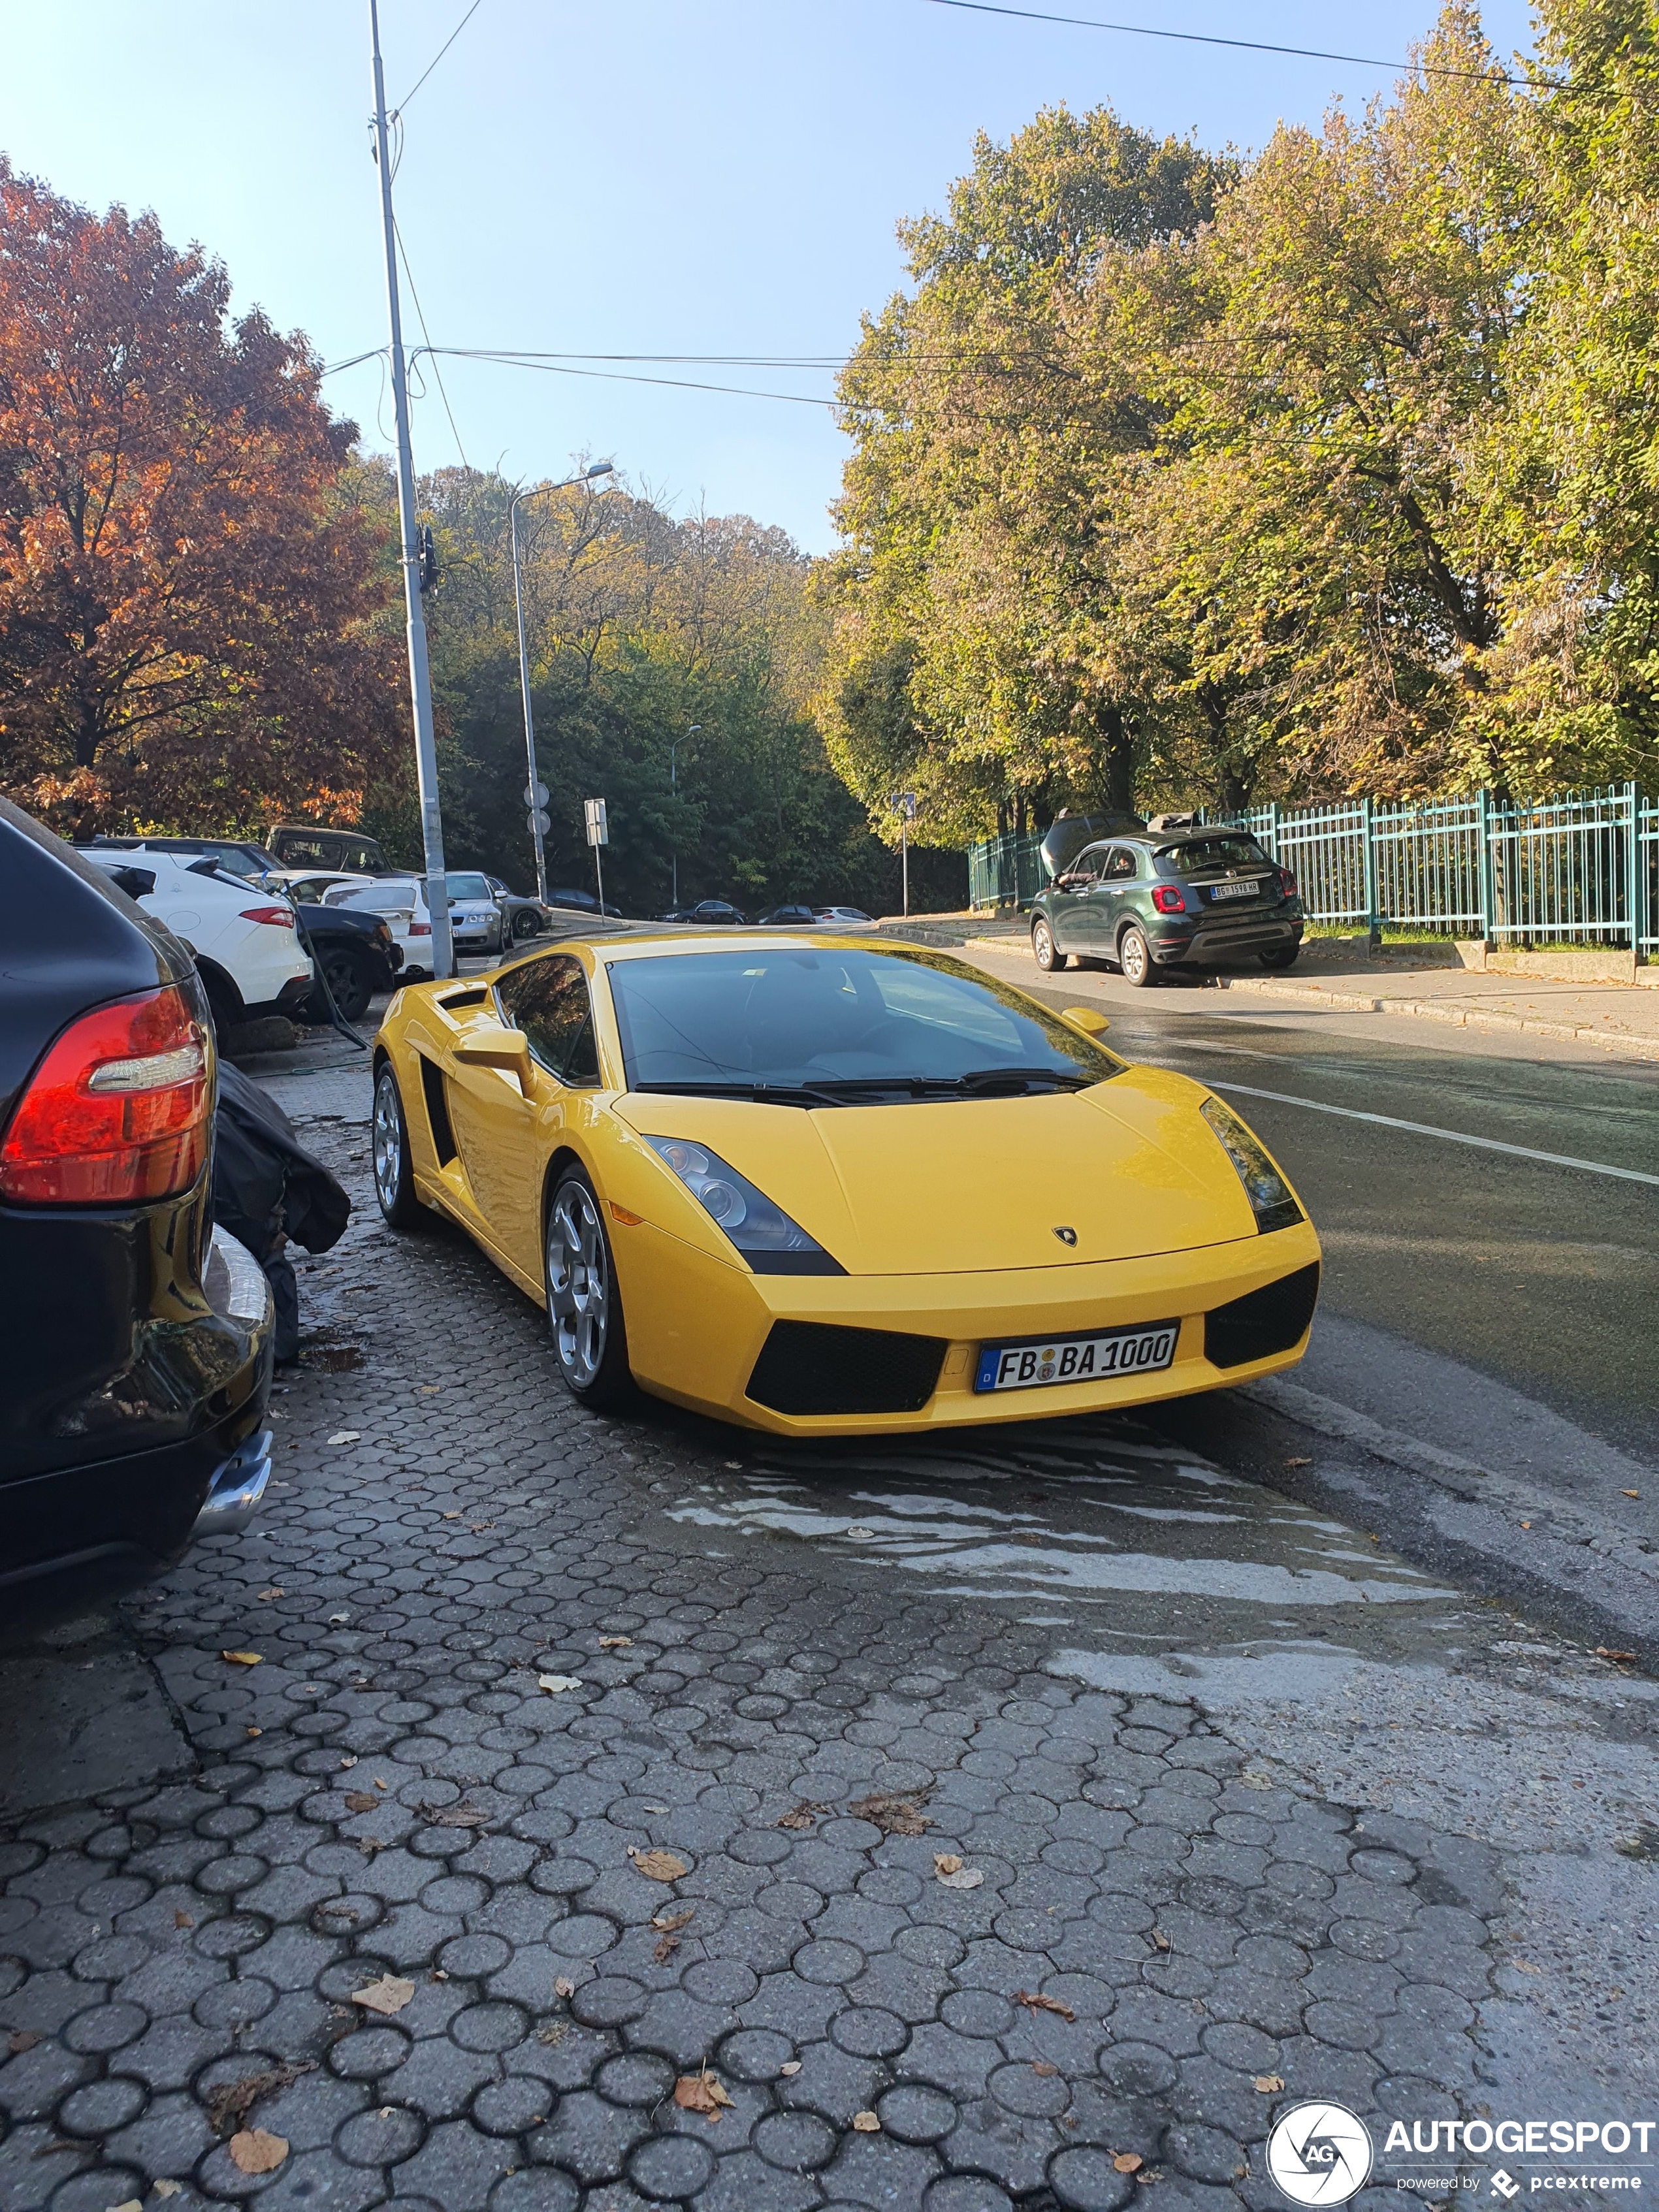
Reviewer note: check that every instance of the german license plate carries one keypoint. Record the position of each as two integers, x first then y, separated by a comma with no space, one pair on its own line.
1042,1360
1246,890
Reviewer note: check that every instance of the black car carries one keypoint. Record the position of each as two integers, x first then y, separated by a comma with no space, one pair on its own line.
581,902
1158,900
354,951
790,917
136,1336
716,913
232,856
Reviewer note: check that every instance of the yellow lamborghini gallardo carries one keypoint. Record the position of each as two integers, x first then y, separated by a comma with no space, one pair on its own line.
820,1185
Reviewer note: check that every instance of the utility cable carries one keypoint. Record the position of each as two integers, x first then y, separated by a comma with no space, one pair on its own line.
439,55
617,376
420,316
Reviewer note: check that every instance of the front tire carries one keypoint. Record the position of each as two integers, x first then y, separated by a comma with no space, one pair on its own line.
1134,958
1046,954
394,1178
584,1306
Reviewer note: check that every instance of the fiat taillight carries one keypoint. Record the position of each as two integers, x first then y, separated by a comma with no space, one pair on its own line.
118,1111
1287,882
1167,898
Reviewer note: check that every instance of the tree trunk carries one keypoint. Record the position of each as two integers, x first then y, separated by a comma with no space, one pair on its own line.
1117,766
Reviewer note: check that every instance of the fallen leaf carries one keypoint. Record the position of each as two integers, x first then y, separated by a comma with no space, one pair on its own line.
20,2040
452,1517
802,1817
668,1922
182,1920
895,1815
229,2105
1038,2003
1269,2084
361,1800
1630,1493
970,1878
254,2151
426,1388
946,1863
664,1948
1041,2066
132,2204
1126,2161
455,1816
615,1642
335,1620
1525,1524
1160,1939
1526,1966
563,1986
389,1994
166,2188
701,2093
790,2066
350,1760
379,1784
251,1730
1297,1462
243,1658
274,1591
479,1528
657,1866
557,1684
861,1536
369,1845
867,2124
1623,1657
348,1437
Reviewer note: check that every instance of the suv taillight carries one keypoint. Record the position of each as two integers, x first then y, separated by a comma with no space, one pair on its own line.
1167,898
118,1111
1287,882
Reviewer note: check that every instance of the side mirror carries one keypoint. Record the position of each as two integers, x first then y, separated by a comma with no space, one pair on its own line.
1086,1019
489,1045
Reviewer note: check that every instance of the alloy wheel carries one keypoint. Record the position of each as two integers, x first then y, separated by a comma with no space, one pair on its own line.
1132,956
578,1285
388,1140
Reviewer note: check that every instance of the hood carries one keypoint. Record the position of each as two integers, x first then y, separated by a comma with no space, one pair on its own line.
969,1185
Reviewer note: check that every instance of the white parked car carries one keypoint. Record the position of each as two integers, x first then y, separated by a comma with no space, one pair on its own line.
477,921
247,952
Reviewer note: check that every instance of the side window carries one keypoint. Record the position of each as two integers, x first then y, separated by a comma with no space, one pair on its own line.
547,999
1087,867
1121,866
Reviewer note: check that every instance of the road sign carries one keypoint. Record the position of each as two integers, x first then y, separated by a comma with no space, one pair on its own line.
599,829
540,822
535,795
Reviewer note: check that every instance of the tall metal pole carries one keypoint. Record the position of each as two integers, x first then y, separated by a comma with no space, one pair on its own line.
531,779
420,678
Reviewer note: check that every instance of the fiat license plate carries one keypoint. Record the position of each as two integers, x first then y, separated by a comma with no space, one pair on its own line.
1247,889
1041,1360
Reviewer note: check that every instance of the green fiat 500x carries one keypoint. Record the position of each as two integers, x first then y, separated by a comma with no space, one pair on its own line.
1158,900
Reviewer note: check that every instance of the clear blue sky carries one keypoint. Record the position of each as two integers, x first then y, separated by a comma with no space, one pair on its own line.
622,177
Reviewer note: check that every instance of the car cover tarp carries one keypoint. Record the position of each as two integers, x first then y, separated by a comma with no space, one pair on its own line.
268,1190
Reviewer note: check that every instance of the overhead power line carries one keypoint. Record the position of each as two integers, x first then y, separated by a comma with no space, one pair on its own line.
439,55
1245,46
621,376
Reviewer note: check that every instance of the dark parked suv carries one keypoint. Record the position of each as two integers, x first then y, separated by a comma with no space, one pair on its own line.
1158,900
134,1338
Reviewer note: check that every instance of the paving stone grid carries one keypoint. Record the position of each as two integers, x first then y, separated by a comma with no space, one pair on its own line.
1204,1930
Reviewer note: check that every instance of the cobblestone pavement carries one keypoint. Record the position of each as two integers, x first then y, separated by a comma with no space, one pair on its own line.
507,1652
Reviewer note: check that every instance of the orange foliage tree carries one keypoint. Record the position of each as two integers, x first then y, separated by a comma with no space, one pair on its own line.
194,624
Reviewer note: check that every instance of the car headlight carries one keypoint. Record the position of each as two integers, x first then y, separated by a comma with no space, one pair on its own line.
772,1244
1266,1189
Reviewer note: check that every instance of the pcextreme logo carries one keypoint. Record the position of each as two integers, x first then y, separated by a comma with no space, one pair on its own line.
1320,2154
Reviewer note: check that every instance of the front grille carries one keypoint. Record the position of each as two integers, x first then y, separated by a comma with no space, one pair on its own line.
814,1367
1262,1321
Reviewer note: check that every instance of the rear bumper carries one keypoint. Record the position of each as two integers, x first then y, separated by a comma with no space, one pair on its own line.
288,1000
697,1326
1231,942
237,1488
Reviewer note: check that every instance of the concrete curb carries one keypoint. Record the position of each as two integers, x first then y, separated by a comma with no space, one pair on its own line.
1473,1018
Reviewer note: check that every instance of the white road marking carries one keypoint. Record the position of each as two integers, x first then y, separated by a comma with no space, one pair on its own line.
1451,1136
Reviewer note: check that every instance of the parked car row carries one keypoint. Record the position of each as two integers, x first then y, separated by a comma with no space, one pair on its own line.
721,914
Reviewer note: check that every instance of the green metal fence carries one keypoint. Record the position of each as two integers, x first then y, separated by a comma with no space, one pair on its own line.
1582,866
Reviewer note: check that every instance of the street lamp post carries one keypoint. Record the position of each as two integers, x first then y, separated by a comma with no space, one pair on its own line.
674,744
536,491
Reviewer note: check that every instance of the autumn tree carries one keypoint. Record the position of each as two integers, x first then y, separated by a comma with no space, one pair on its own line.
192,625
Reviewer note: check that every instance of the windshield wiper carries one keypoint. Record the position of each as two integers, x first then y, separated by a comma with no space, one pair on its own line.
760,1094
1063,1078
873,1089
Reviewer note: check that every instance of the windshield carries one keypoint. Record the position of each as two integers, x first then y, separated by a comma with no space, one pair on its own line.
837,1021
1196,856
467,887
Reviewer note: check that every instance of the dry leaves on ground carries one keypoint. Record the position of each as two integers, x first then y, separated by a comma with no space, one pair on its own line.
790,2066
867,2124
347,1437
1297,1462
165,2188
615,1642
1269,2085
557,1684
668,1922
948,1869
182,1920
132,2204
563,1986
860,1535
701,2093
229,2105
1623,1658
803,1816
389,1994
1160,1939
456,1816
664,1948
265,1595
20,2040
1126,2161
1039,2003
243,1658
254,2151
657,1866
1042,2067
361,1800
894,1815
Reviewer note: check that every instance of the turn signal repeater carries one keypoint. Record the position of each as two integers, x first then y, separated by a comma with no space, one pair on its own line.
1266,1189
772,1244
118,1111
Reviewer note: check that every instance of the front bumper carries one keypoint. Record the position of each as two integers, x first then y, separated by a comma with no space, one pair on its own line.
696,1326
